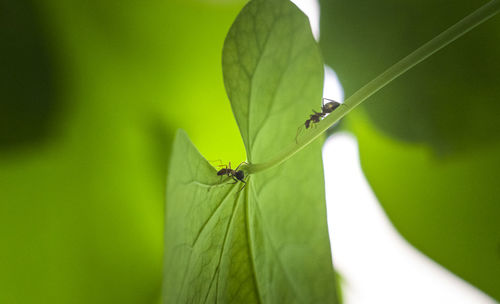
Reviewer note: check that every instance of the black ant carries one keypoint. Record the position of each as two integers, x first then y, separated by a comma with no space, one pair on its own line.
330,106
316,117
236,175
313,118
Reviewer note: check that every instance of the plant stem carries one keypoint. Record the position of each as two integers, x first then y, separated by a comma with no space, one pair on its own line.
463,26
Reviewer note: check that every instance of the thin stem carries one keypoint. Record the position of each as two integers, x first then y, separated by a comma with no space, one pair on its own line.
463,26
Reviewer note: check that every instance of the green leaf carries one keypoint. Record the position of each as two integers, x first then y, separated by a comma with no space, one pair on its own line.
273,73
266,243
448,208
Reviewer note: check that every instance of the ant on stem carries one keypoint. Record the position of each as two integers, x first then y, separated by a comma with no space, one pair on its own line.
330,106
315,118
236,175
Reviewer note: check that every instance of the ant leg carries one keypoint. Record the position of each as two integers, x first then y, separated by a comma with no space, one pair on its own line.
217,160
240,165
222,165
244,184
299,130
323,102
235,180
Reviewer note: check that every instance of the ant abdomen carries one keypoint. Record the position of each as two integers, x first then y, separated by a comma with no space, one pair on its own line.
330,107
240,175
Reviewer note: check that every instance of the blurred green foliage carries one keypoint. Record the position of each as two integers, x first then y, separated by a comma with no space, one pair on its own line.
450,101
448,208
428,141
92,92
27,81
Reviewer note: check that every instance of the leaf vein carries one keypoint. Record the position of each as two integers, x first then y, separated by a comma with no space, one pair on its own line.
210,217
250,249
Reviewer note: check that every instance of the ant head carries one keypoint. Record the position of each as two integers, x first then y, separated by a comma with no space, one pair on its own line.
240,175
222,172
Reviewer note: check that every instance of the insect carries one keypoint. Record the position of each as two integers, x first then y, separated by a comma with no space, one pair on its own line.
326,108
313,118
236,175
330,106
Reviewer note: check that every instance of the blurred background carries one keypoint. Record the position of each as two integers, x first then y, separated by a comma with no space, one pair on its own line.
91,93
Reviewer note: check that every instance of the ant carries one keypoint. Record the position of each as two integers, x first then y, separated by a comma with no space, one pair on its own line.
236,175
313,118
325,109
330,106
316,117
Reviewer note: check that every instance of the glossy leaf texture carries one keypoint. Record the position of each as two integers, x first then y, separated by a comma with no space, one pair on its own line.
267,242
428,141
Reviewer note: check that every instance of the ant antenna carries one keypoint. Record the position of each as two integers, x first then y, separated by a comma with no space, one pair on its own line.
217,160
329,99
238,165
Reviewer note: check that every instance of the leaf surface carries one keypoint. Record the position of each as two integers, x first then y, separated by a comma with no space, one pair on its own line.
273,73
266,243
